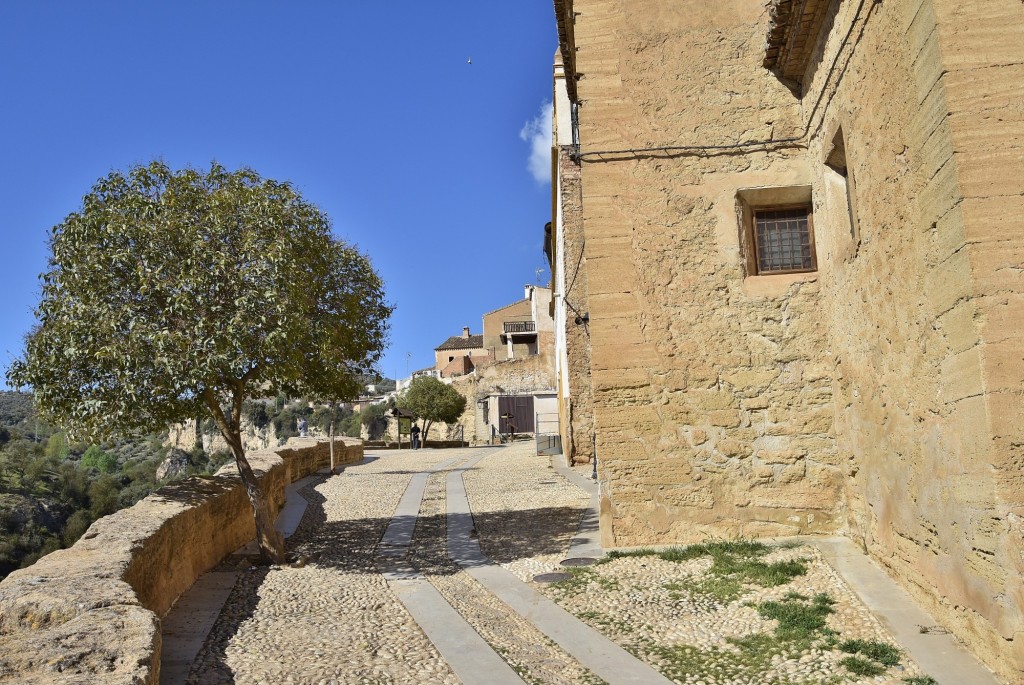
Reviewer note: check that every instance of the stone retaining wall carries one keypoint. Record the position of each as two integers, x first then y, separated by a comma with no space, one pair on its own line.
90,613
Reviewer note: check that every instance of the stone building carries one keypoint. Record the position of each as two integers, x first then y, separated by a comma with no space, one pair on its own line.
457,351
522,328
802,229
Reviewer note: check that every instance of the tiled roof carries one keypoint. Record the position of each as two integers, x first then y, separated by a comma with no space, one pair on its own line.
457,342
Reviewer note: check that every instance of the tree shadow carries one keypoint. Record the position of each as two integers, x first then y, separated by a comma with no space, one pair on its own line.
354,546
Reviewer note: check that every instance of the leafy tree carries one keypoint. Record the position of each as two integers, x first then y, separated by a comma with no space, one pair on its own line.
96,458
256,413
170,294
57,446
431,400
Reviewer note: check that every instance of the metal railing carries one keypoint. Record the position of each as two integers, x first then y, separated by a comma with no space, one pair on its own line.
520,327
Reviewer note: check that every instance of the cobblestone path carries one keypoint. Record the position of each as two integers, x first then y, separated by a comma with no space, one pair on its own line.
343,613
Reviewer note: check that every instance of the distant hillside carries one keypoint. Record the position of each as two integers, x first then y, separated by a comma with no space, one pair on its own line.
15,408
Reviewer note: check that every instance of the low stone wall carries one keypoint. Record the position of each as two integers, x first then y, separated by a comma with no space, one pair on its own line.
432,444
90,613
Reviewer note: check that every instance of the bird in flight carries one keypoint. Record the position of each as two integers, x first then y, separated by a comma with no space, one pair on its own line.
469,61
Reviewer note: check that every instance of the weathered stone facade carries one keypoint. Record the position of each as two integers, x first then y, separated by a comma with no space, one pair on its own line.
879,395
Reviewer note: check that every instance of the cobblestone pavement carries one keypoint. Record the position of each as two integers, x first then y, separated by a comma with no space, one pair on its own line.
730,614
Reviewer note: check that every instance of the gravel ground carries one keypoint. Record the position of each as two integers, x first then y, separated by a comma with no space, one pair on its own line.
334,620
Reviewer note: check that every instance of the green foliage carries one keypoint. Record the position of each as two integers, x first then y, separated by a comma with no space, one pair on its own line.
350,426
169,288
736,563
431,400
921,680
96,458
57,446
373,413
799,619
256,413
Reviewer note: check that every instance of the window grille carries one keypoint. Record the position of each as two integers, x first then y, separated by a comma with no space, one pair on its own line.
784,240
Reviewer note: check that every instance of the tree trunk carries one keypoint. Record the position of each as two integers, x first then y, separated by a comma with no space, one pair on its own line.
270,541
334,411
426,429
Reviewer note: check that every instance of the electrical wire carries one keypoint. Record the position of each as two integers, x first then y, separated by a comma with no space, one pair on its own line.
771,143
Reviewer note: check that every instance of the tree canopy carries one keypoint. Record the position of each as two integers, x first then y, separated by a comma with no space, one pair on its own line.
431,400
174,292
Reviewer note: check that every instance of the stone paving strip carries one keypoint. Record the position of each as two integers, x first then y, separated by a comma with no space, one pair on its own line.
536,658
594,651
465,651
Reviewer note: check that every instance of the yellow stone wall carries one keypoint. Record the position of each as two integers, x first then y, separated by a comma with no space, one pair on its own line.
880,397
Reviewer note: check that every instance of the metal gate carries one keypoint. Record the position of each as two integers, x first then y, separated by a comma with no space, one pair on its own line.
549,441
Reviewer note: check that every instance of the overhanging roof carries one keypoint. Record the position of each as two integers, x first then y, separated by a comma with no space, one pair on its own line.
792,35
565,17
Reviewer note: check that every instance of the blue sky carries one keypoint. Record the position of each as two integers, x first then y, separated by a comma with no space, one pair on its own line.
371,109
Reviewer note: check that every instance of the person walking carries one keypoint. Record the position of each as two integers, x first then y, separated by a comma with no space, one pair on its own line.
415,433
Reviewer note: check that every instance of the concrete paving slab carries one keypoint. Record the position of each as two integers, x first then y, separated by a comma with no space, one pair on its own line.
592,649
938,654
587,541
189,621
472,659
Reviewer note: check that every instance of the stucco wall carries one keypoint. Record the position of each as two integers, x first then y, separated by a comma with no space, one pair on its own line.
90,613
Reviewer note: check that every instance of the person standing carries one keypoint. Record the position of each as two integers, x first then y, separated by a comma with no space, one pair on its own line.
415,433
303,427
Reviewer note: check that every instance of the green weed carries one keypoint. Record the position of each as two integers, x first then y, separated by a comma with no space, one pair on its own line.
798,619
921,680
858,666
883,653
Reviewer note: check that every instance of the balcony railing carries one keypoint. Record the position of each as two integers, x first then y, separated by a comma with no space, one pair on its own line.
520,327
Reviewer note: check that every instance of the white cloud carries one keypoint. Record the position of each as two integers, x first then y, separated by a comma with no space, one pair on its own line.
537,132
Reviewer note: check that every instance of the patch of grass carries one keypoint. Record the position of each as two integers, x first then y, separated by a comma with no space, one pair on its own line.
883,653
921,680
735,563
798,619
579,579
623,554
863,667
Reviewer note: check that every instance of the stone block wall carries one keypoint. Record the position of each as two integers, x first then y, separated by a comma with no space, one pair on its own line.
711,389
880,396
90,613
924,307
576,405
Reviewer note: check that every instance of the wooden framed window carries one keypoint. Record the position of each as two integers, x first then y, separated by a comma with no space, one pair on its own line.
783,239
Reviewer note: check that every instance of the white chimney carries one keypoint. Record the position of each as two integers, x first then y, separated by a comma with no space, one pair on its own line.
465,331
